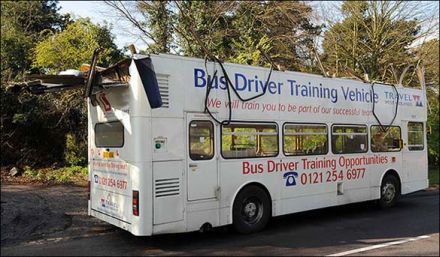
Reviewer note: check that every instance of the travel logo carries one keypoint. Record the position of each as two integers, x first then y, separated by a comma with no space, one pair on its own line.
418,100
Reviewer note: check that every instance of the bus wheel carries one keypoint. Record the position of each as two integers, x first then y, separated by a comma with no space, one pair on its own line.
251,210
389,192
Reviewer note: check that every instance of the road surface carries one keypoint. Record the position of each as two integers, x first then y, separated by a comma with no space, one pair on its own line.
53,221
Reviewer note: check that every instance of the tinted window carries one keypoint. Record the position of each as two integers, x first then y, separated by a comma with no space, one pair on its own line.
301,139
385,141
247,140
201,140
349,139
109,134
415,136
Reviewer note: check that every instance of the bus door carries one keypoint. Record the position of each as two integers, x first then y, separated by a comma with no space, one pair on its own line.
202,178
414,150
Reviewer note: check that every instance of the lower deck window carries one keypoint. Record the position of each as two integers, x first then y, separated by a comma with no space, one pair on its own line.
109,134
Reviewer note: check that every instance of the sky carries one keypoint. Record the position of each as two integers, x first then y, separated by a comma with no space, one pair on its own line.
99,12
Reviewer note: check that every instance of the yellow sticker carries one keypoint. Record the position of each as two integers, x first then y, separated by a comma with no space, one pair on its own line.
108,154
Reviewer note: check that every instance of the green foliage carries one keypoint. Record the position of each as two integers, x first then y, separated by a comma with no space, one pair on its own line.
242,31
75,153
433,176
33,127
160,21
30,130
374,35
371,36
248,51
433,138
20,31
282,29
75,45
429,54
207,22
29,172
73,174
15,48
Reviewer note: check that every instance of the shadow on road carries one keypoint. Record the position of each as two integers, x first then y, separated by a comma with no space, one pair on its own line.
414,215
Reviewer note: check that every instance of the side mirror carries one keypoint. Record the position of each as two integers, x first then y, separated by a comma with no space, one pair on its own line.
428,130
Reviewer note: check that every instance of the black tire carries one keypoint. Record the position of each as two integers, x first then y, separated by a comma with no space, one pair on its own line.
389,192
251,210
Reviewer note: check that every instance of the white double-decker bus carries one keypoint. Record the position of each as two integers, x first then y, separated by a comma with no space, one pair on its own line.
167,155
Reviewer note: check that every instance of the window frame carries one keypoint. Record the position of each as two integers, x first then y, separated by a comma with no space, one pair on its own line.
250,122
349,125
306,124
423,136
106,146
213,140
371,139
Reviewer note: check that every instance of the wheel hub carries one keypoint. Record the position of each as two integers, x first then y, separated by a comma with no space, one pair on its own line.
250,209
389,192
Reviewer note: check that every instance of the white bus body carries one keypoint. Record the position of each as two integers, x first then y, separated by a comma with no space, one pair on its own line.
143,179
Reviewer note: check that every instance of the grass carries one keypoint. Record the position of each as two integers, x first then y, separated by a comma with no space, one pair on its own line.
433,175
65,175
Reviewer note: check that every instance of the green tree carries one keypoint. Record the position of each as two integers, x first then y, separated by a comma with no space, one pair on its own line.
25,119
244,32
35,128
69,49
247,32
371,36
429,54
204,28
153,20
75,45
159,19
283,30
21,25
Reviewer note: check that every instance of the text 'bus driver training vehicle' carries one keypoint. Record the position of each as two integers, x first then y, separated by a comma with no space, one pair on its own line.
190,144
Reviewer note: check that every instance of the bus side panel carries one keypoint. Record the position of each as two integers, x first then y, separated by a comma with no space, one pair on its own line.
168,191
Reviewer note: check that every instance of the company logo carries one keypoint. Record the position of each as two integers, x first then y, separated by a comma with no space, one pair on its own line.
418,100
290,178
96,178
109,203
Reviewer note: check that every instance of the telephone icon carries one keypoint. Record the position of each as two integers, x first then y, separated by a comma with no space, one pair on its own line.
290,178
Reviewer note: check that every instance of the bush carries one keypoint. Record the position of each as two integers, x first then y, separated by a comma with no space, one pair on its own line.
75,153
73,174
